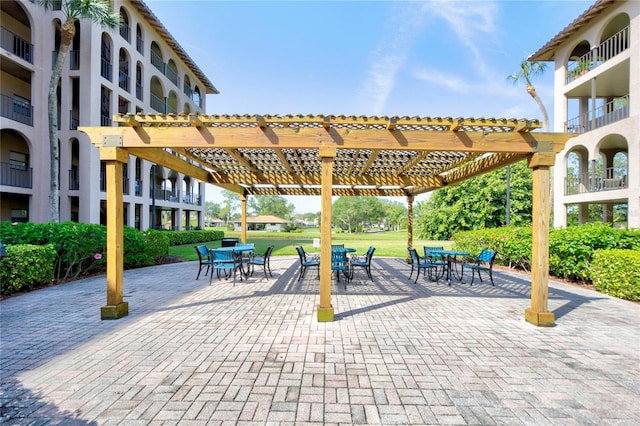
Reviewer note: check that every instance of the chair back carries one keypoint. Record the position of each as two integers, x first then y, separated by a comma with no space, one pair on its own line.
203,252
335,246
245,246
487,256
428,252
222,256
339,261
415,259
267,254
301,254
369,254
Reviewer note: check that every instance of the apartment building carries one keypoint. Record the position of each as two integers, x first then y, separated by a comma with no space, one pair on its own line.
597,96
138,68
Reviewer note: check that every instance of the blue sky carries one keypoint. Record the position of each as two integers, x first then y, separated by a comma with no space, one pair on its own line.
415,58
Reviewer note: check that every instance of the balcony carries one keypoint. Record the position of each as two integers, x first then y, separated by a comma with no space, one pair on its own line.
192,199
156,61
158,104
139,91
123,80
74,179
140,45
16,45
10,175
74,119
613,111
588,182
74,60
105,68
597,56
125,31
172,75
15,109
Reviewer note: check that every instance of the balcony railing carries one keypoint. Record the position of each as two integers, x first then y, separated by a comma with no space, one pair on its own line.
589,182
606,50
105,68
17,110
16,45
159,104
125,31
156,61
74,119
105,120
123,80
613,111
140,45
103,183
193,199
74,60
138,189
162,194
74,179
139,91
11,175
187,90
172,75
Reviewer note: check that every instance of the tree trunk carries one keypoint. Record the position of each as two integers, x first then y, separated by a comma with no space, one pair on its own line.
66,35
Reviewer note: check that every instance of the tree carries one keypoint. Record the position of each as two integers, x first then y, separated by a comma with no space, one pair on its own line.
395,215
274,205
475,204
528,70
232,202
211,209
97,11
354,213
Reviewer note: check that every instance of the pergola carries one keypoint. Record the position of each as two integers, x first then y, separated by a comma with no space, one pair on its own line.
327,155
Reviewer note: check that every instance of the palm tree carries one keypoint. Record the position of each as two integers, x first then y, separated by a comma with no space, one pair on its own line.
98,11
529,69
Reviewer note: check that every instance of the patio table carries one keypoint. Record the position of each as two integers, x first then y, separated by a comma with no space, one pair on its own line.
452,261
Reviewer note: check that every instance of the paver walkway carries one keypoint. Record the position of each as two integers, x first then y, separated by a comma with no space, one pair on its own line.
398,353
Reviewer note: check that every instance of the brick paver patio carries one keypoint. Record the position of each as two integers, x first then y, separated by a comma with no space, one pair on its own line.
398,353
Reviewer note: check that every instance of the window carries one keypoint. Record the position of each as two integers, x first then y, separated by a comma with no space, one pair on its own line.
17,161
19,215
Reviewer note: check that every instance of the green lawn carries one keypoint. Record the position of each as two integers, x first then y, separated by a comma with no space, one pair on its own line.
390,244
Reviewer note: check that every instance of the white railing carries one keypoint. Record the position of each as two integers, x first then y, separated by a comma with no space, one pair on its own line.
613,111
606,50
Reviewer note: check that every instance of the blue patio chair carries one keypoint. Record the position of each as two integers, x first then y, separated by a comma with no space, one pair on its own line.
418,263
227,261
484,262
204,259
357,261
305,262
431,255
262,260
335,246
340,264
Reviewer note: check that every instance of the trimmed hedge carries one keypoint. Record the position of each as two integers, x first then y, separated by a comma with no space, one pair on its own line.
178,238
617,273
570,248
26,266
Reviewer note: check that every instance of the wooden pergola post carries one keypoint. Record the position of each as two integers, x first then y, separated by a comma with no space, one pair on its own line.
409,224
538,313
325,309
115,307
243,220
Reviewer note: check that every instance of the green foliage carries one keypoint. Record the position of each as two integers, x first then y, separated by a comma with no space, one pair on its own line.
274,205
157,244
571,248
177,238
617,273
513,244
476,203
353,214
26,266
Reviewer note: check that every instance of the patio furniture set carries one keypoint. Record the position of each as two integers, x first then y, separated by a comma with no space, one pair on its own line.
341,263
232,259
437,263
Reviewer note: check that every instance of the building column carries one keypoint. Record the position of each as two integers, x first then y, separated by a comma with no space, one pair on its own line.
325,309
538,313
115,307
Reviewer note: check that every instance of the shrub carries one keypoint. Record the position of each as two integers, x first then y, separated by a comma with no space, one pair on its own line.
571,248
513,244
26,266
157,245
617,273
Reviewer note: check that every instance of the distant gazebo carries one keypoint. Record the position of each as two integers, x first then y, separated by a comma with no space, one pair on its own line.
262,223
